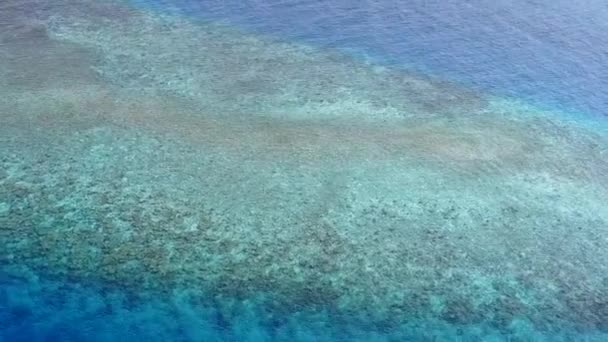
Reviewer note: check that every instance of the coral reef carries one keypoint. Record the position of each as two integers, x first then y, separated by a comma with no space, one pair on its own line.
263,176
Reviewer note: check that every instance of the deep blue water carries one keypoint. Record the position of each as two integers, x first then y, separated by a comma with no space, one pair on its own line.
551,52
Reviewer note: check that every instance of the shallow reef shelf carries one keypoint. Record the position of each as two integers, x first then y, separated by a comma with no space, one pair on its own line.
184,180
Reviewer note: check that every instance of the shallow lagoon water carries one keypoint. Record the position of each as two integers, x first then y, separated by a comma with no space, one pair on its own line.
191,176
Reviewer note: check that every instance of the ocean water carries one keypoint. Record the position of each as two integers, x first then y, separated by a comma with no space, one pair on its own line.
549,53
303,171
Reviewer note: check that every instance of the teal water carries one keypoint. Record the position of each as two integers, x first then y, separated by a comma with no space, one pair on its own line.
174,177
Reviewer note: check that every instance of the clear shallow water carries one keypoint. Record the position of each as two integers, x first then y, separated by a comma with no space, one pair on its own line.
168,178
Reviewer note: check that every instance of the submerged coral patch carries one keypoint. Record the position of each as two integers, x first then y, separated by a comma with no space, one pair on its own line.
218,185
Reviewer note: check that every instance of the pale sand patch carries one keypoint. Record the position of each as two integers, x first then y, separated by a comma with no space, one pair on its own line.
461,143
96,105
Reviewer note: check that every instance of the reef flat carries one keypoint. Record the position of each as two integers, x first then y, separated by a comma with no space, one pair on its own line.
160,154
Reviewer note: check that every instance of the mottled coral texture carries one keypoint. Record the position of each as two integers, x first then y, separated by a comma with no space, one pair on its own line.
155,154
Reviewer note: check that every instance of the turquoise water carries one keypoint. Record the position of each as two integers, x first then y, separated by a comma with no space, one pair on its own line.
205,171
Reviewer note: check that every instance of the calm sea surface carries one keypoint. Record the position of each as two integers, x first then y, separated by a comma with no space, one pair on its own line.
552,53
